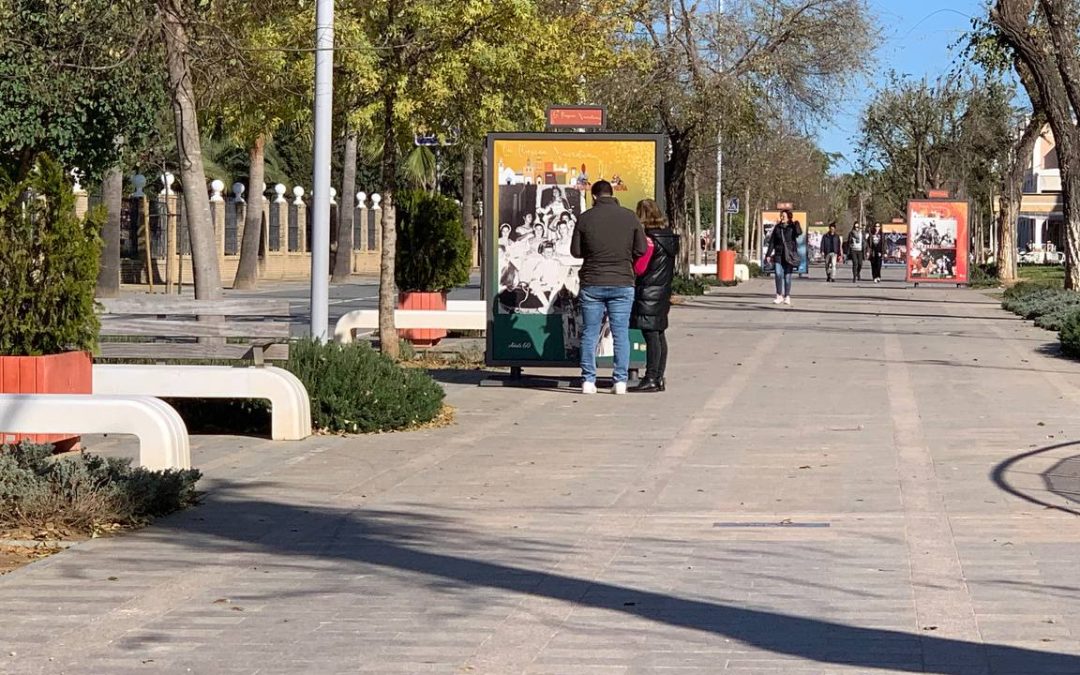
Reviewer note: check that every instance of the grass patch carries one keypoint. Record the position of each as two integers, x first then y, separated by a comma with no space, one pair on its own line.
1052,276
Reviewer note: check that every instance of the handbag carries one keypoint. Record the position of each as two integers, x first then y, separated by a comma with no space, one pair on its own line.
642,263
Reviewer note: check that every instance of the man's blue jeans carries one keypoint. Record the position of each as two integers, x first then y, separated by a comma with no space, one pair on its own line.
617,301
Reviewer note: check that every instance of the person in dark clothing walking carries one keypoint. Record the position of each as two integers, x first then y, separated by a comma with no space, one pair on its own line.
609,239
875,247
784,252
856,243
652,297
831,248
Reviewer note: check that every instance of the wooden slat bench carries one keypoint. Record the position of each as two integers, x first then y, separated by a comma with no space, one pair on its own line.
168,327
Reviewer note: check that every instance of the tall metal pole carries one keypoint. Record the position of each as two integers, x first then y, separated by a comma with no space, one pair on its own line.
719,212
320,224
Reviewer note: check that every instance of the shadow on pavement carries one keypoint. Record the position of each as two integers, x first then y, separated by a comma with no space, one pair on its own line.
767,304
444,553
1062,479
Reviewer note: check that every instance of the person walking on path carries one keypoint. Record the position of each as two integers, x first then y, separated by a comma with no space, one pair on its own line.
856,244
652,297
783,251
831,248
875,242
608,238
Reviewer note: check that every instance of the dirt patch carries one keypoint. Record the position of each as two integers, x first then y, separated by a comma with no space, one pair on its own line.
14,557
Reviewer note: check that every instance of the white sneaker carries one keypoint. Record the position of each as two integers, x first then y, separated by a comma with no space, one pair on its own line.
877,281
588,387
778,300
787,300
619,388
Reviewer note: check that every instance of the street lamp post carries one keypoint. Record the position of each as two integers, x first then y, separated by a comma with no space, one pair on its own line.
320,229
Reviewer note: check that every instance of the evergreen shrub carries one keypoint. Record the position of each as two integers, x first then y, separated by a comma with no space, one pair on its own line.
686,285
433,253
1070,334
85,491
49,261
356,389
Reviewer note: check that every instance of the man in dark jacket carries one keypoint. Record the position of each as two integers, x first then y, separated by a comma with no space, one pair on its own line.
608,238
831,248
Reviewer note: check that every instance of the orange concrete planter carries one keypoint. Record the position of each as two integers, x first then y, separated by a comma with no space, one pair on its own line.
422,337
67,373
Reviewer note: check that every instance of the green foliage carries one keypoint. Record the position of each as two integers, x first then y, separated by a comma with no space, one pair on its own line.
1070,334
983,276
1051,308
755,270
354,389
48,263
68,86
85,491
684,285
433,253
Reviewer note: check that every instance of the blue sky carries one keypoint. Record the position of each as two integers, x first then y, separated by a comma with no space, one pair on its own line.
915,38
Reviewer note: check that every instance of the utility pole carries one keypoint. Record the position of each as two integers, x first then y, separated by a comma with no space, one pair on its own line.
320,223
718,215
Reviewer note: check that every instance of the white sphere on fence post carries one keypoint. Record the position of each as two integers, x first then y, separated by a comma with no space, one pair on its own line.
333,196
375,200
361,200
138,181
167,179
298,192
216,187
238,191
279,189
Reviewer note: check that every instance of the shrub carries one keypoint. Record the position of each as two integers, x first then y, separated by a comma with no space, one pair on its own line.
755,270
433,253
85,491
1070,334
49,265
983,276
353,388
685,285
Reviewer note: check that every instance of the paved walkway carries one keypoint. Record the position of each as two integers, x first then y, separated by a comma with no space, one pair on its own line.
878,479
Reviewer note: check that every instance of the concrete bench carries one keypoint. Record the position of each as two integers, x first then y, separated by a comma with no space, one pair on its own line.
459,315
163,438
184,329
742,272
290,407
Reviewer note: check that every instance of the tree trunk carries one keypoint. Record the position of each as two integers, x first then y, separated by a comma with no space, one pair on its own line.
675,178
108,282
1012,184
346,212
467,178
247,271
388,337
746,225
204,259
696,243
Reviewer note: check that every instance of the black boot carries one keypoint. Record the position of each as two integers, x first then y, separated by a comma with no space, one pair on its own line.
663,385
648,384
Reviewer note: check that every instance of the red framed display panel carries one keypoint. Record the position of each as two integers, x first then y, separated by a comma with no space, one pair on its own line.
937,242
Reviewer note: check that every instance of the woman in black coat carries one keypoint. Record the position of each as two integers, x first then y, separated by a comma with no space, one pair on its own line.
652,295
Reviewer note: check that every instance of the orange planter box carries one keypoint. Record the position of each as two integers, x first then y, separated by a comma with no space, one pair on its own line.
422,337
67,373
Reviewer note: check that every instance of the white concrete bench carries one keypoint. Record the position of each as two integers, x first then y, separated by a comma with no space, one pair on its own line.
290,407
459,315
742,272
163,438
